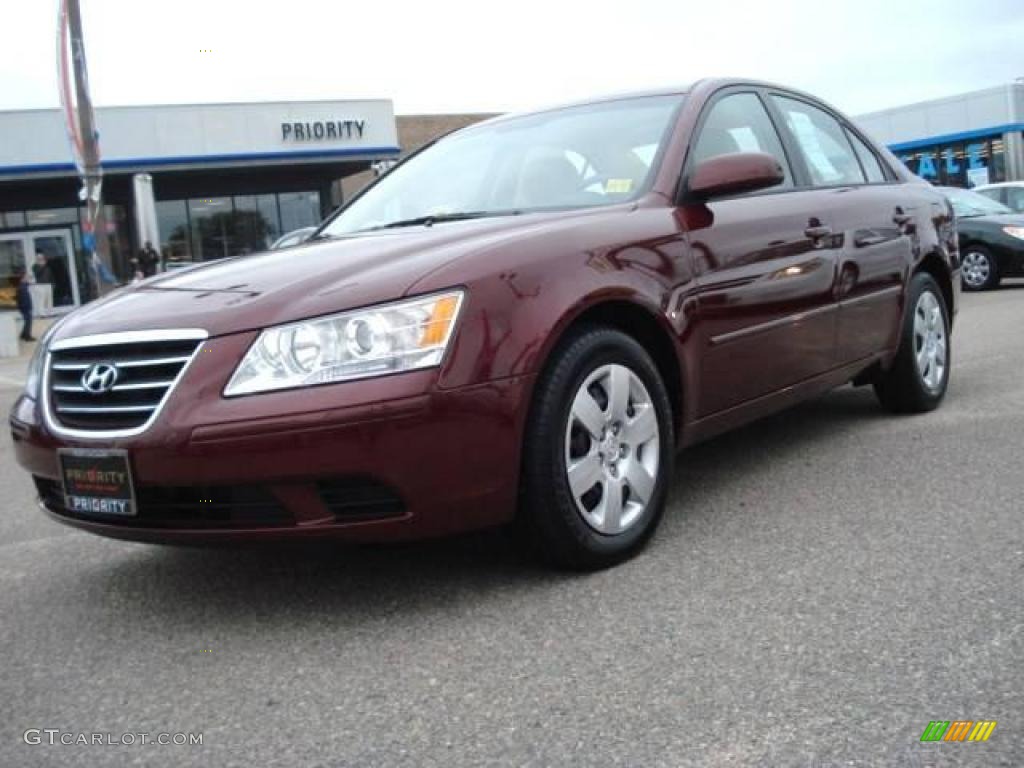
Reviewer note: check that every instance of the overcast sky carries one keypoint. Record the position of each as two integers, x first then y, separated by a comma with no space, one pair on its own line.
453,56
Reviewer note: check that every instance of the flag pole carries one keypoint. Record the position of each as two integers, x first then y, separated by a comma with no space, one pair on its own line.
85,139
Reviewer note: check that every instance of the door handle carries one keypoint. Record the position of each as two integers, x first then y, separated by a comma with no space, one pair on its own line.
869,238
901,217
818,232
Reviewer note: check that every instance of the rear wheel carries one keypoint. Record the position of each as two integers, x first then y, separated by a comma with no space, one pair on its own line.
598,452
979,271
919,375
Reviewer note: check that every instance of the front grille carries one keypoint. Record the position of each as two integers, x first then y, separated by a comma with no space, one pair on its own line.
145,372
215,506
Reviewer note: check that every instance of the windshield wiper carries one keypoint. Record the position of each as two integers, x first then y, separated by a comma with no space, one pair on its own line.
435,218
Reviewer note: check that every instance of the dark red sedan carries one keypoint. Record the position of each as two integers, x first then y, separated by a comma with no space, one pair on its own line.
524,321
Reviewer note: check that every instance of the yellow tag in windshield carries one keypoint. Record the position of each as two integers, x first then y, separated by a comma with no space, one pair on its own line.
618,186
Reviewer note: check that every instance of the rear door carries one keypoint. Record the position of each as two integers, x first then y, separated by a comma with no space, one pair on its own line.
765,265
866,207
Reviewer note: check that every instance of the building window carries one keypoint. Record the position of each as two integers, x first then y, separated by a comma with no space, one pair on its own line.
299,209
960,164
172,222
212,222
997,167
207,228
52,217
256,222
12,220
12,264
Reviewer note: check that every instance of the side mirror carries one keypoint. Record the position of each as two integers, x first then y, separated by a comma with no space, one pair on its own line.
733,174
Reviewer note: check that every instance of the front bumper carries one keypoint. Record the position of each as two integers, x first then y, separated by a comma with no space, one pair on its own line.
380,459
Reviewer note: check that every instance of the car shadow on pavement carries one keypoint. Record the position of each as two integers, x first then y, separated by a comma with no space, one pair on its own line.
781,434
309,580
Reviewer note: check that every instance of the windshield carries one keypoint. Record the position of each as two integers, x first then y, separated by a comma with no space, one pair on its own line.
967,204
591,155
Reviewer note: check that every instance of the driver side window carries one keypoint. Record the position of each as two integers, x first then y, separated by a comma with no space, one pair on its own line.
740,123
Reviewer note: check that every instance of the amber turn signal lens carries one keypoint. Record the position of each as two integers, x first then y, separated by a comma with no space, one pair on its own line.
440,320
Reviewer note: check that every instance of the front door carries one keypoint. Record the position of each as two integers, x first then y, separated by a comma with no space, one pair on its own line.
49,258
12,264
765,266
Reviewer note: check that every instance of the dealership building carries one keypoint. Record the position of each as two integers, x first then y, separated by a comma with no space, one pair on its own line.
965,141
228,178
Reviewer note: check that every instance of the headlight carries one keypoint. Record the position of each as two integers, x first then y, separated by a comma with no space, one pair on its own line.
389,338
1017,232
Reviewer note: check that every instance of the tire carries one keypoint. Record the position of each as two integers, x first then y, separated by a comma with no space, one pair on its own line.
910,386
979,270
583,379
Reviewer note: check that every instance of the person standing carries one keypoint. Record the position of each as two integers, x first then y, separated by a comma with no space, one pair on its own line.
149,259
24,297
42,270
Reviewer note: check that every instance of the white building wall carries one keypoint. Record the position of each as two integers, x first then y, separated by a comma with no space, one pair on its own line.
181,132
1002,105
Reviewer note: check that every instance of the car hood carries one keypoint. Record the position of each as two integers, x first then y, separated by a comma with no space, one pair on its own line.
249,292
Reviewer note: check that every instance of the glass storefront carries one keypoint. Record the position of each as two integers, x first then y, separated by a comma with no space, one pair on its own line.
257,221
211,220
50,263
200,229
12,219
960,164
67,266
172,221
197,229
12,266
299,209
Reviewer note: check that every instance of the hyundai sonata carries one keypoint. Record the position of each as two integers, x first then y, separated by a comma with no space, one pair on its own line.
522,322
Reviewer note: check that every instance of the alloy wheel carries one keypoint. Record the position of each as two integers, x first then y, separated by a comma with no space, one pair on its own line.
930,347
612,449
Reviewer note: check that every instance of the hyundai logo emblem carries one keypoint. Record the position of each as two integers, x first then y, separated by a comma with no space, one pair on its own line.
100,378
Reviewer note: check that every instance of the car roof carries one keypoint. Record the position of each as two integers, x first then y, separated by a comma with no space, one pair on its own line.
999,184
704,84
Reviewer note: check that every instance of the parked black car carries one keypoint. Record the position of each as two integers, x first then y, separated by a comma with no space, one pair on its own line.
991,239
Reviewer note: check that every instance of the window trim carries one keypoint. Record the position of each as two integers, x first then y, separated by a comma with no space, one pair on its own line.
890,176
850,137
680,196
839,122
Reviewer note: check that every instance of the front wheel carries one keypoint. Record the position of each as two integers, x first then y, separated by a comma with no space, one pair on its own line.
598,452
919,375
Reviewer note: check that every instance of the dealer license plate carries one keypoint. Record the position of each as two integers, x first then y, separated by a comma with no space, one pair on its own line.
97,482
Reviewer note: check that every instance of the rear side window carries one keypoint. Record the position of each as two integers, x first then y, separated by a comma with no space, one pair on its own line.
995,193
823,144
868,159
740,123
1015,198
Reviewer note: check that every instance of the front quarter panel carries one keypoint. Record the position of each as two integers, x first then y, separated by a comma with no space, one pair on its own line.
522,296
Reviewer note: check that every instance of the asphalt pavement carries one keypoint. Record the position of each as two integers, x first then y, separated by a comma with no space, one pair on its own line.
825,583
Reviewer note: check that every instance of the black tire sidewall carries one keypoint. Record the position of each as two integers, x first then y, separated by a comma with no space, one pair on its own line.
911,389
564,535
